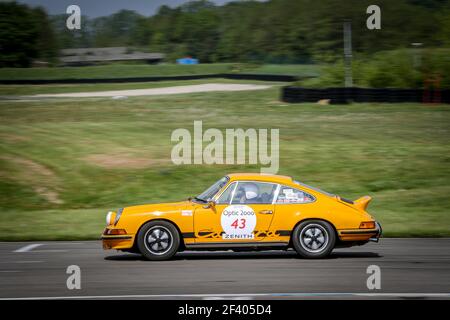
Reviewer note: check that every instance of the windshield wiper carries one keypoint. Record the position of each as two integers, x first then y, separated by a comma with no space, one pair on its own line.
200,199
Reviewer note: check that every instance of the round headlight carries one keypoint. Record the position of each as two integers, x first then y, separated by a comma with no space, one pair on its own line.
109,220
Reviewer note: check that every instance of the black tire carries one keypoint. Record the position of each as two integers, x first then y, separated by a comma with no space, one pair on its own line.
321,235
166,240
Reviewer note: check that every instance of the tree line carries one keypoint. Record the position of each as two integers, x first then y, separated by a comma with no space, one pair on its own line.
276,31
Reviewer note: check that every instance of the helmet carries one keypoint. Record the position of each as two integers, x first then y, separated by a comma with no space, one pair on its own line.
251,191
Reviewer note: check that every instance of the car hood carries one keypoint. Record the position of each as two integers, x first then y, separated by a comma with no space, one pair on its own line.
155,209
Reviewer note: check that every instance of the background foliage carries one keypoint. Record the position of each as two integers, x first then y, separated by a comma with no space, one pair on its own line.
276,31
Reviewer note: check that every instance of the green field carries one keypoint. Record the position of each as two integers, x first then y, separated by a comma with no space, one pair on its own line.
64,163
146,70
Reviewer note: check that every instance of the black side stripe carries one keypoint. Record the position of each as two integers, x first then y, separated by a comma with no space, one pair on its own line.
190,235
283,233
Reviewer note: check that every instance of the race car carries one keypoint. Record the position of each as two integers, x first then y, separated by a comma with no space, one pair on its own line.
244,211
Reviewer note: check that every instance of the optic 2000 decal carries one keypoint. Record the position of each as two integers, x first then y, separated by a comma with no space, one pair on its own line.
238,222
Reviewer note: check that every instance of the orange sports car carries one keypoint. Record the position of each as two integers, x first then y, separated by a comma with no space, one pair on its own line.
244,211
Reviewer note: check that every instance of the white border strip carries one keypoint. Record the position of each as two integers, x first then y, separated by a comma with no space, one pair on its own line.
248,295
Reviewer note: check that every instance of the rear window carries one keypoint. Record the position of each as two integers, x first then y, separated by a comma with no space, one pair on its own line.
315,189
291,195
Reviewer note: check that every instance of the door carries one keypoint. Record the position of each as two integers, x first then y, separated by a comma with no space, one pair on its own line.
243,213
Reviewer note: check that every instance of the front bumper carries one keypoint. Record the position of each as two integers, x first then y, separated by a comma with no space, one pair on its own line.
119,242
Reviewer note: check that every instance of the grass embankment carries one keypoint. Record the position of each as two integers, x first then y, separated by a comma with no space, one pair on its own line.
160,70
25,90
139,70
114,71
63,163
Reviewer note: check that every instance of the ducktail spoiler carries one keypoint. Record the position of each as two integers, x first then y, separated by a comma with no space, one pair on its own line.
362,202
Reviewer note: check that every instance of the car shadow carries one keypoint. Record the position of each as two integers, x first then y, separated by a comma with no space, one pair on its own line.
227,255
339,255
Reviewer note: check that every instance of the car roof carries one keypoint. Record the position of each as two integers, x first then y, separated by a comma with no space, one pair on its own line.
266,177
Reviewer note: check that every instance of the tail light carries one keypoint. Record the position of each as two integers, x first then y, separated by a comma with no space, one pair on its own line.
367,225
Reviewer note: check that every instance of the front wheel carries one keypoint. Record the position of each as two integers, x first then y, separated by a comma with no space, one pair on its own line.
314,239
158,240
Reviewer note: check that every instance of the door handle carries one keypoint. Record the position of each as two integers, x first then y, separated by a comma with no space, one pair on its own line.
266,212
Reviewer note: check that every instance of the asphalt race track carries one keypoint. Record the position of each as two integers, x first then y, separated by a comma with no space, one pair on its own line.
410,268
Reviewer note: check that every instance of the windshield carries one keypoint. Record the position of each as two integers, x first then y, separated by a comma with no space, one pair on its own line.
211,191
315,189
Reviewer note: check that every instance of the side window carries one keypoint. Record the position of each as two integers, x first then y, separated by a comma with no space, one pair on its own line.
254,193
225,197
291,195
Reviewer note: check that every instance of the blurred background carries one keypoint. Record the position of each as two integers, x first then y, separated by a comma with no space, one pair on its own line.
65,162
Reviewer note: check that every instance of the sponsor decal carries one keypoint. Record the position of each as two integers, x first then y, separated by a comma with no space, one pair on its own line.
186,213
238,222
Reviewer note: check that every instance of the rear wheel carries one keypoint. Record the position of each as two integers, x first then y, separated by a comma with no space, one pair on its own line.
314,239
158,240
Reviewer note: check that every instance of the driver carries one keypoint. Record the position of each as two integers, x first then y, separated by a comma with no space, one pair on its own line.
248,193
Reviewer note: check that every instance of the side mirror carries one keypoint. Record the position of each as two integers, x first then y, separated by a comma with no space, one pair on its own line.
211,204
